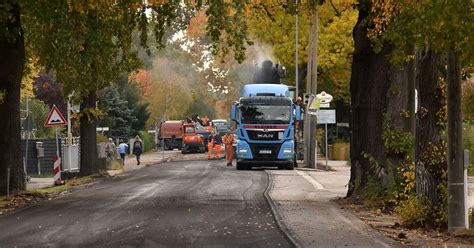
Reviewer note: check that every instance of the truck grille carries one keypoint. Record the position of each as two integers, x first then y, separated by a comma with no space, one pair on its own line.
264,152
261,135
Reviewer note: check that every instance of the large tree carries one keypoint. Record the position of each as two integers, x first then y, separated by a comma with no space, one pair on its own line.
439,29
12,61
335,43
87,44
369,86
117,114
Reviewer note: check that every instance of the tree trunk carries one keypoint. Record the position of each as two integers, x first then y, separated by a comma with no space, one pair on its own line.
429,158
12,61
411,86
396,121
89,160
369,86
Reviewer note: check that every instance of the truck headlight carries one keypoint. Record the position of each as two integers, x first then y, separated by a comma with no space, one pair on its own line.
287,150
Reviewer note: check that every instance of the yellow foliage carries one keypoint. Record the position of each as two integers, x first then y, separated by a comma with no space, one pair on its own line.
31,72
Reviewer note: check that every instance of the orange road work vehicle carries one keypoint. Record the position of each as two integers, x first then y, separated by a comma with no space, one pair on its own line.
192,142
171,133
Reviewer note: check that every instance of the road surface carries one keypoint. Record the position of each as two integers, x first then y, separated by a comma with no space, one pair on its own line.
177,204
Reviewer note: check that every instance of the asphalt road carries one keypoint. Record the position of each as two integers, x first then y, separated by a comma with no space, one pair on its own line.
177,204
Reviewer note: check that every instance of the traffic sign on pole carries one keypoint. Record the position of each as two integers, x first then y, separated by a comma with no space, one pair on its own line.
55,118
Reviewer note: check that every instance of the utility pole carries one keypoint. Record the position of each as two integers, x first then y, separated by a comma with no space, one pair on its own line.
310,141
296,51
456,208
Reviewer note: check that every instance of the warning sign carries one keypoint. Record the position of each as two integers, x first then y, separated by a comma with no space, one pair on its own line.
55,118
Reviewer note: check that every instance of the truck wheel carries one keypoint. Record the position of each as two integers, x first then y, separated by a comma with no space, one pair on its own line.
183,150
281,167
240,166
168,146
290,166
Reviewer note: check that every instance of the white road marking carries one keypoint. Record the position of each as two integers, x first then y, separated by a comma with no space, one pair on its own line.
310,180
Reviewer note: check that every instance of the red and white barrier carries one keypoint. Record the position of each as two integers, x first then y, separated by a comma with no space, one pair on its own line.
57,170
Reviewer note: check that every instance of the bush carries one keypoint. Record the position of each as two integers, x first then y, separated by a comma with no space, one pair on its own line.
147,140
340,151
101,138
414,211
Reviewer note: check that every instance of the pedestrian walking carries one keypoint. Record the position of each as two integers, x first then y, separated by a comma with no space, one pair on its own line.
228,140
137,148
210,146
122,150
110,150
217,144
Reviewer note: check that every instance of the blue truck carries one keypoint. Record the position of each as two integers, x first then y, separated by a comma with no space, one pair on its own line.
265,117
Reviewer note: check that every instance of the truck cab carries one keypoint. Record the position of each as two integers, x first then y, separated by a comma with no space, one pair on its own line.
221,126
265,117
192,142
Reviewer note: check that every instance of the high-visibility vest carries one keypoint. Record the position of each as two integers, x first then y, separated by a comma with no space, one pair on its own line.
228,139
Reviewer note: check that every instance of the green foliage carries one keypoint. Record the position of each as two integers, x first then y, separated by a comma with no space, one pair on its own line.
398,142
129,92
414,211
417,212
227,23
117,115
373,189
270,23
39,111
147,140
440,25
468,136
467,100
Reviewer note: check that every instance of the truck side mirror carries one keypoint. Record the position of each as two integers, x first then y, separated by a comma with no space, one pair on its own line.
298,113
232,113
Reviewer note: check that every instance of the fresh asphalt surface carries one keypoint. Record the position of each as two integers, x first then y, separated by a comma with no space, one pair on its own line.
176,204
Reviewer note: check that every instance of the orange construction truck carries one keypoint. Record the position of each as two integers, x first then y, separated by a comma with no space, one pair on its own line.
171,133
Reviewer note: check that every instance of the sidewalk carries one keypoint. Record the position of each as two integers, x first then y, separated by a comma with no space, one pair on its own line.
39,182
146,159
302,201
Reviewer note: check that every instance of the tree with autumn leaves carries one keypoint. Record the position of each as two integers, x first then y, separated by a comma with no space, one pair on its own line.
372,53
87,44
397,46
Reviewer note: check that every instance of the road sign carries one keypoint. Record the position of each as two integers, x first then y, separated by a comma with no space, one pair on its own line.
313,105
325,99
55,118
326,116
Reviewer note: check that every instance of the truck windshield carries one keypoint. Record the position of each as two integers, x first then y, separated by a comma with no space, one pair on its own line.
221,125
265,114
189,129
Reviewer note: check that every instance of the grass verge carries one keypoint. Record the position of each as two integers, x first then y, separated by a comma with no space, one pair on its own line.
28,197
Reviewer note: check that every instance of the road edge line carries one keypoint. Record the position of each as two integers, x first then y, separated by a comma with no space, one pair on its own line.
276,216
310,180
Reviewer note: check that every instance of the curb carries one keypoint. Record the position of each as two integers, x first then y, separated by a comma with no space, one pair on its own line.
276,216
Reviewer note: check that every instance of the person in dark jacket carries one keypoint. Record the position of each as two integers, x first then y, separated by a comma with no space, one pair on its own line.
137,148
210,146
217,144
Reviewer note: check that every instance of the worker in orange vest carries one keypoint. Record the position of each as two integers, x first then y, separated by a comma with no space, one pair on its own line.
229,148
210,146
217,144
